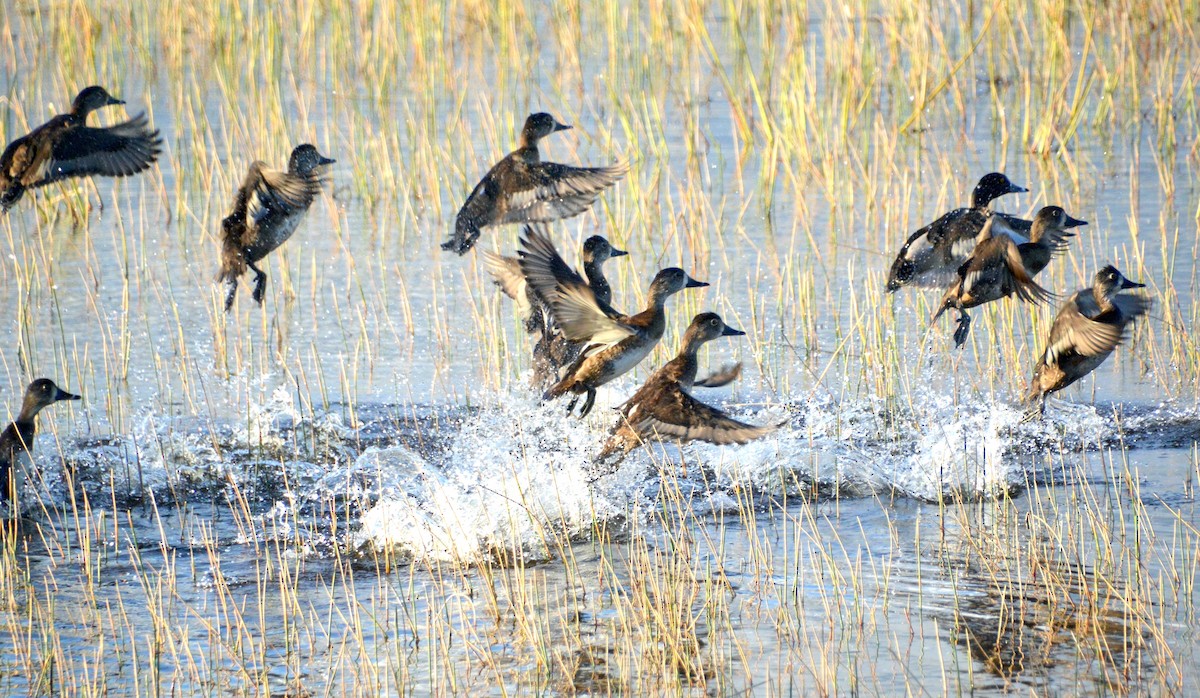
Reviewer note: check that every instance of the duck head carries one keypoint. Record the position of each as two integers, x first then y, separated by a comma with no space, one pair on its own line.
991,186
708,326
91,99
306,158
1109,282
1055,217
539,126
597,250
42,393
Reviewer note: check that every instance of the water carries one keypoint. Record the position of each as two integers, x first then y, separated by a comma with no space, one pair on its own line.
352,490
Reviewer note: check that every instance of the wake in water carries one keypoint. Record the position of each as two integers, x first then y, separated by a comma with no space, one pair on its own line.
512,477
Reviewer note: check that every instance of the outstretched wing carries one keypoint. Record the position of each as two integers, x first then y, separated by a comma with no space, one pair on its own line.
1075,333
115,151
678,415
553,191
725,376
572,301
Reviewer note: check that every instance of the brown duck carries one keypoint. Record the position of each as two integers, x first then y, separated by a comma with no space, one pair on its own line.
553,351
931,254
523,189
16,442
66,146
1089,326
1000,267
663,408
266,210
614,343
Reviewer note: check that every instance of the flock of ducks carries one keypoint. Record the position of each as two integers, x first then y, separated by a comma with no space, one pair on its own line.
581,342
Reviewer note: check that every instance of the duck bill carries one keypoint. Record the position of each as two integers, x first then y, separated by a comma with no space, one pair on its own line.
732,332
614,252
561,127
1126,283
1074,222
1014,189
326,161
692,283
113,101
64,395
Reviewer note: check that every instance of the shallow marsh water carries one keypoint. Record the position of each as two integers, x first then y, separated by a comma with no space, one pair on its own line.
351,491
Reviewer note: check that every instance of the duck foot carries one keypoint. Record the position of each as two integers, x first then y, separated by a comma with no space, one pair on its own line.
587,404
231,293
960,334
260,284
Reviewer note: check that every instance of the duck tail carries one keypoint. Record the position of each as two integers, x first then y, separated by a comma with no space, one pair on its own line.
560,388
466,232
946,305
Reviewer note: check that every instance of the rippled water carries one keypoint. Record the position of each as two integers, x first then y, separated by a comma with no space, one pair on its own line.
352,489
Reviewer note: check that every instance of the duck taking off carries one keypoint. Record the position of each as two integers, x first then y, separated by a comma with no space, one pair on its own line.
552,350
66,146
614,343
523,189
266,210
663,408
16,442
1000,267
931,255
1089,326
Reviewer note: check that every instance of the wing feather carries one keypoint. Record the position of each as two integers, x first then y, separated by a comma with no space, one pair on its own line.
554,191
115,151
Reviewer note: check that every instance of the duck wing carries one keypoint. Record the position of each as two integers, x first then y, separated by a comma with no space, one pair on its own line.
506,272
581,319
678,415
115,151
551,191
281,193
1075,332
725,376
997,260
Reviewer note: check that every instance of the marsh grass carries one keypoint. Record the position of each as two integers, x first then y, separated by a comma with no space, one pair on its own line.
781,152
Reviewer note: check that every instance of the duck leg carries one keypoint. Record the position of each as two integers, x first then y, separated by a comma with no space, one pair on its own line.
571,406
232,283
587,404
260,283
964,326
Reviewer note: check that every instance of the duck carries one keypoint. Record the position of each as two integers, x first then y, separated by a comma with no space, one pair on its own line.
523,189
553,351
1000,267
1088,327
665,408
931,254
614,343
16,442
267,209
66,146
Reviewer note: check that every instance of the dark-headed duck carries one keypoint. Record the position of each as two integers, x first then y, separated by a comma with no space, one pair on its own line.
553,351
16,442
66,146
663,408
266,210
1089,326
523,189
614,343
931,254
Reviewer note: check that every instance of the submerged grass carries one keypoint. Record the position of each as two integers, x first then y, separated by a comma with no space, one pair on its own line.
781,151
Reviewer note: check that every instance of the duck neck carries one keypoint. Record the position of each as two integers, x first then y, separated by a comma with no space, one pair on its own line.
658,297
528,149
1104,296
596,279
29,409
